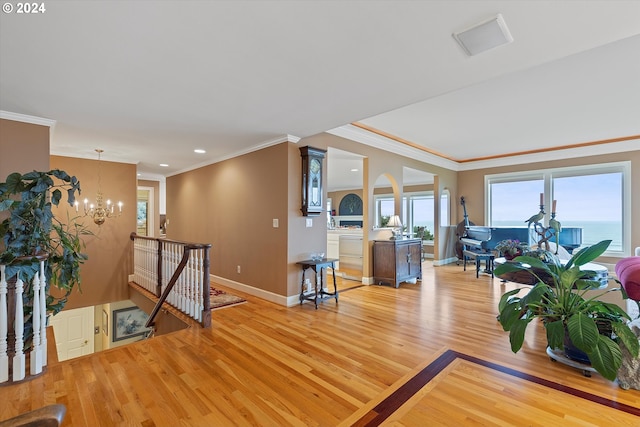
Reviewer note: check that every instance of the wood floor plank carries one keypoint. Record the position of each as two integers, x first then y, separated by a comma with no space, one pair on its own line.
262,364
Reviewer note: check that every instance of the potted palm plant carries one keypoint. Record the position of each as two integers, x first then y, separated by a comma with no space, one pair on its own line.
30,232
561,300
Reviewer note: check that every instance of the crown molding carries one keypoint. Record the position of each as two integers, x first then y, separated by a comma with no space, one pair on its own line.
262,145
16,117
547,156
375,140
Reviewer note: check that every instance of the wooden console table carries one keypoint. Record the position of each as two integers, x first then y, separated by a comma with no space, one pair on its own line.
318,294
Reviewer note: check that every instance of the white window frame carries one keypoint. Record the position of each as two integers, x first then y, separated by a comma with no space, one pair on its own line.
547,176
407,215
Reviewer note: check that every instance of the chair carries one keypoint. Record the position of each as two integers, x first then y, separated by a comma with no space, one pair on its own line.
47,416
628,272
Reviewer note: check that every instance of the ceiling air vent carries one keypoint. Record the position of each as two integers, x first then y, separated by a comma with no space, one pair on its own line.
484,36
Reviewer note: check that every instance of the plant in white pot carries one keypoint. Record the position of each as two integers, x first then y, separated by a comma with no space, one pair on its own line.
561,301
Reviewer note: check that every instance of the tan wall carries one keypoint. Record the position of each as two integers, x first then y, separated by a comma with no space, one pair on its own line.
24,147
471,186
232,205
105,274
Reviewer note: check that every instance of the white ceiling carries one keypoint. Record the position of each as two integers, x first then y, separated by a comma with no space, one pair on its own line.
149,81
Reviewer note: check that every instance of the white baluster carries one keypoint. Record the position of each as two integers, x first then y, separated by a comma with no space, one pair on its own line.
4,328
43,314
18,358
36,355
197,286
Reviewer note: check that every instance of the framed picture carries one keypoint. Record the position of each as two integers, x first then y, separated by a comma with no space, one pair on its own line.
128,323
105,322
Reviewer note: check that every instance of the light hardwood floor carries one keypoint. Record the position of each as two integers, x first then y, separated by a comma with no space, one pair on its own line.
429,354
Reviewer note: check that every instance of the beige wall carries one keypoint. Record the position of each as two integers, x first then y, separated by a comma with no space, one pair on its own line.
471,186
24,147
232,205
105,274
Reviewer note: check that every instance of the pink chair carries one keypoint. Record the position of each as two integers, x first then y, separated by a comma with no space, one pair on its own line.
628,272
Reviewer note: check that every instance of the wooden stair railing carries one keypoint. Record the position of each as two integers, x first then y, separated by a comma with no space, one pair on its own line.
188,289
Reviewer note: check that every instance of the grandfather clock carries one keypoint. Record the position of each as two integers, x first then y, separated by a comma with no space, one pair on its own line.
312,171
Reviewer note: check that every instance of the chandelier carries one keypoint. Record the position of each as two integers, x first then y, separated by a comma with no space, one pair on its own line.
99,212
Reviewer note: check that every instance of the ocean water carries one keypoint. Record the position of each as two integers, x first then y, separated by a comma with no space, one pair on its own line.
592,231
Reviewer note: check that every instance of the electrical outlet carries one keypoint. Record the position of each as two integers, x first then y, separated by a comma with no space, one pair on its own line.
238,269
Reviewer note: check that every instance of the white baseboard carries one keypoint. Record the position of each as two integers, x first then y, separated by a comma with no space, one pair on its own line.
445,261
260,293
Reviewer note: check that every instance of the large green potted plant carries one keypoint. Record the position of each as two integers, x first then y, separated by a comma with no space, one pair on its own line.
30,229
562,302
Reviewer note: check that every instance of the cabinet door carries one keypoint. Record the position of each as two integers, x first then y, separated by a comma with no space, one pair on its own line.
415,259
402,261
384,257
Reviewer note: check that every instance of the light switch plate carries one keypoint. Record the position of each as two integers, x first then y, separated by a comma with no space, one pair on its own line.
276,223
309,222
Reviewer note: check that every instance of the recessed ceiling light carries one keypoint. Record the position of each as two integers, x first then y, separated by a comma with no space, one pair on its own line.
199,151
164,165
354,170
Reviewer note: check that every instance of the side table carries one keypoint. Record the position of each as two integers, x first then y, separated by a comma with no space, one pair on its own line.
318,294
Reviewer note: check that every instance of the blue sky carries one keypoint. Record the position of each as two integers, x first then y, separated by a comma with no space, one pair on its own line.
579,198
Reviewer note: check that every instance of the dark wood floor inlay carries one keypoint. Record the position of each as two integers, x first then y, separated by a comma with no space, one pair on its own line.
393,402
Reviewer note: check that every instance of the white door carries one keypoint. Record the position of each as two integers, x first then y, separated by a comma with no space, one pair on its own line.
74,332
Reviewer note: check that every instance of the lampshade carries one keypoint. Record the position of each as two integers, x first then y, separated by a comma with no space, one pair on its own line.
394,221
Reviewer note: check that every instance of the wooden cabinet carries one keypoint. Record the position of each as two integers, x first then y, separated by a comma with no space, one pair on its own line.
396,261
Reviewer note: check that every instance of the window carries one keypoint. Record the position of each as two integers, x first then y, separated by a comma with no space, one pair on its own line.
444,208
595,198
417,210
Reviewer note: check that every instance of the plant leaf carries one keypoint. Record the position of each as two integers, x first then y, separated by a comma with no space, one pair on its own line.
606,357
589,253
516,335
555,333
583,332
505,297
628,338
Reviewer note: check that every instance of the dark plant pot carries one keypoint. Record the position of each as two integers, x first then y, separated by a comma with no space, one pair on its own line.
573,352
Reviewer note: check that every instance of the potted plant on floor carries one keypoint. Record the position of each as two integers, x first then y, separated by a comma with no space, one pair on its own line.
511,248
597,328
31,232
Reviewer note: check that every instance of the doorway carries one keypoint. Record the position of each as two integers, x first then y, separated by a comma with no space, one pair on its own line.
345,236
145,226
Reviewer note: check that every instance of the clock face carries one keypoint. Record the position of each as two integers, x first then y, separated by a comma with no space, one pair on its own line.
314,167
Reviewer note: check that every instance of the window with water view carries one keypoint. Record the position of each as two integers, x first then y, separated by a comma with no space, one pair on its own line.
592,198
